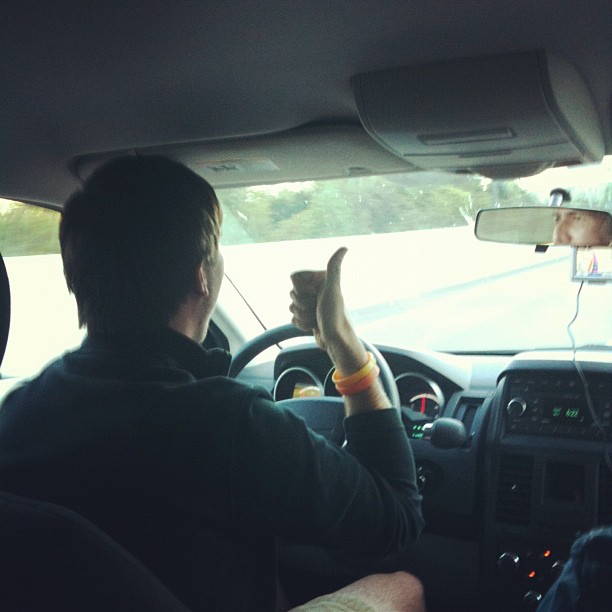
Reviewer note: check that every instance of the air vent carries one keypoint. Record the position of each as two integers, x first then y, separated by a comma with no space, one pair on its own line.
465,412
514,489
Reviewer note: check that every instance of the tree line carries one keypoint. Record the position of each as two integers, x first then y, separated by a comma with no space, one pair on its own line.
319,209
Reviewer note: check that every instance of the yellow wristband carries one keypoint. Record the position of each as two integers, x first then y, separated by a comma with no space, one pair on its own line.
348,381
361,385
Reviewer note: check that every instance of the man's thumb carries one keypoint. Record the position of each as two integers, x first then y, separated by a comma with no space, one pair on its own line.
334,264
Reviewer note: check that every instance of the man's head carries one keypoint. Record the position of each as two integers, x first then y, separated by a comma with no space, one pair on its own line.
134,240
578,227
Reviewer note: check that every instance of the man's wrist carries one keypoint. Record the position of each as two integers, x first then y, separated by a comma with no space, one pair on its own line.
348,354
372,398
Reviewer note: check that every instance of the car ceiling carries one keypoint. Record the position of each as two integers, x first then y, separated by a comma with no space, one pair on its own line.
266,78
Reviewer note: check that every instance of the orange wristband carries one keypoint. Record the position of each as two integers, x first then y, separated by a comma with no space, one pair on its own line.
361,385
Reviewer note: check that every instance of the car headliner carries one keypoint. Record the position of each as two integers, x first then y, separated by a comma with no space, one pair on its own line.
263,79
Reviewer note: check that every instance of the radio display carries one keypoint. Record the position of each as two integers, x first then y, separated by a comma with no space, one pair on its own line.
566,412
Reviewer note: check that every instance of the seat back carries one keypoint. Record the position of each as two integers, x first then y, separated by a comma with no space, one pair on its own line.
5,307
53,559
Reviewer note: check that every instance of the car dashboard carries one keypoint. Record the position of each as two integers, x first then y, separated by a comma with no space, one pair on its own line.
503,509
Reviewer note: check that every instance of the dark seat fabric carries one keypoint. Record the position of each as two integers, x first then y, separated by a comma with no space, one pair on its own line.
5,308
585,585
53,559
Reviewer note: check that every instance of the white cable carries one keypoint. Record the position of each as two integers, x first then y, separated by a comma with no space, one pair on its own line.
585,384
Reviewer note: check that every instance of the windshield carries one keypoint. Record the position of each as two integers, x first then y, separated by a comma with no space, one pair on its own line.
415,275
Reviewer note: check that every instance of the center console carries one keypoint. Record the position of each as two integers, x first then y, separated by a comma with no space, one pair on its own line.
558,404
547,480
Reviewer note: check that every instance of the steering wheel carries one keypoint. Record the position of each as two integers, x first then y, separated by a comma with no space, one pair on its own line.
322,414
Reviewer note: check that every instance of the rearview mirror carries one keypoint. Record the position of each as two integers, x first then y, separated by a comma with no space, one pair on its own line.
540,225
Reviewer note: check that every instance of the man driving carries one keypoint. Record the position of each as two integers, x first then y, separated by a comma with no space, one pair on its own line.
141,431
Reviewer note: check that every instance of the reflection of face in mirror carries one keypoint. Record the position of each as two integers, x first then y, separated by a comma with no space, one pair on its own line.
582,228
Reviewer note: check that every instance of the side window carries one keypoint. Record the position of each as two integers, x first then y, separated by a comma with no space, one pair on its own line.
44,320
27,230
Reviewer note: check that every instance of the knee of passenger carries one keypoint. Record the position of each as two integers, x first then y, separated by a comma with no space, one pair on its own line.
407,587
407,583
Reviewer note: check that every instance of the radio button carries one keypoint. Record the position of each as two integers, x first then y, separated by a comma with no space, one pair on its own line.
516,407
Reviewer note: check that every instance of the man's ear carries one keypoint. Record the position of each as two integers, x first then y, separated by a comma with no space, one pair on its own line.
201,281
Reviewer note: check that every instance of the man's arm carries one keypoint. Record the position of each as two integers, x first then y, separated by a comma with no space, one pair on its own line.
291,482
318,306
363,498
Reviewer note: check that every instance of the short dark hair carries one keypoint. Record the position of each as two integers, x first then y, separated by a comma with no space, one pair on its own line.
131,240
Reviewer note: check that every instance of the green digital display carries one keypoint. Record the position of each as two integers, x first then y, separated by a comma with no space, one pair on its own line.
417,431
566,412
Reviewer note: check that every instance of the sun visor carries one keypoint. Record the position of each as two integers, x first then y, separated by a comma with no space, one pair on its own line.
500,116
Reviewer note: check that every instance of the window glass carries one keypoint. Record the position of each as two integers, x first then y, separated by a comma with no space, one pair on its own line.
43,314
415,275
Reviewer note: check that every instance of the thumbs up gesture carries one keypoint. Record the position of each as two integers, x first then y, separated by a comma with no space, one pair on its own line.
317,305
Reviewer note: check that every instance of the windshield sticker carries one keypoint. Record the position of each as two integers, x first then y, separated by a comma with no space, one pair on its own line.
255,164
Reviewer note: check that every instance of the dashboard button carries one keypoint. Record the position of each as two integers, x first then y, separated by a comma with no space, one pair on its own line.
532,599
508,563
516,407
